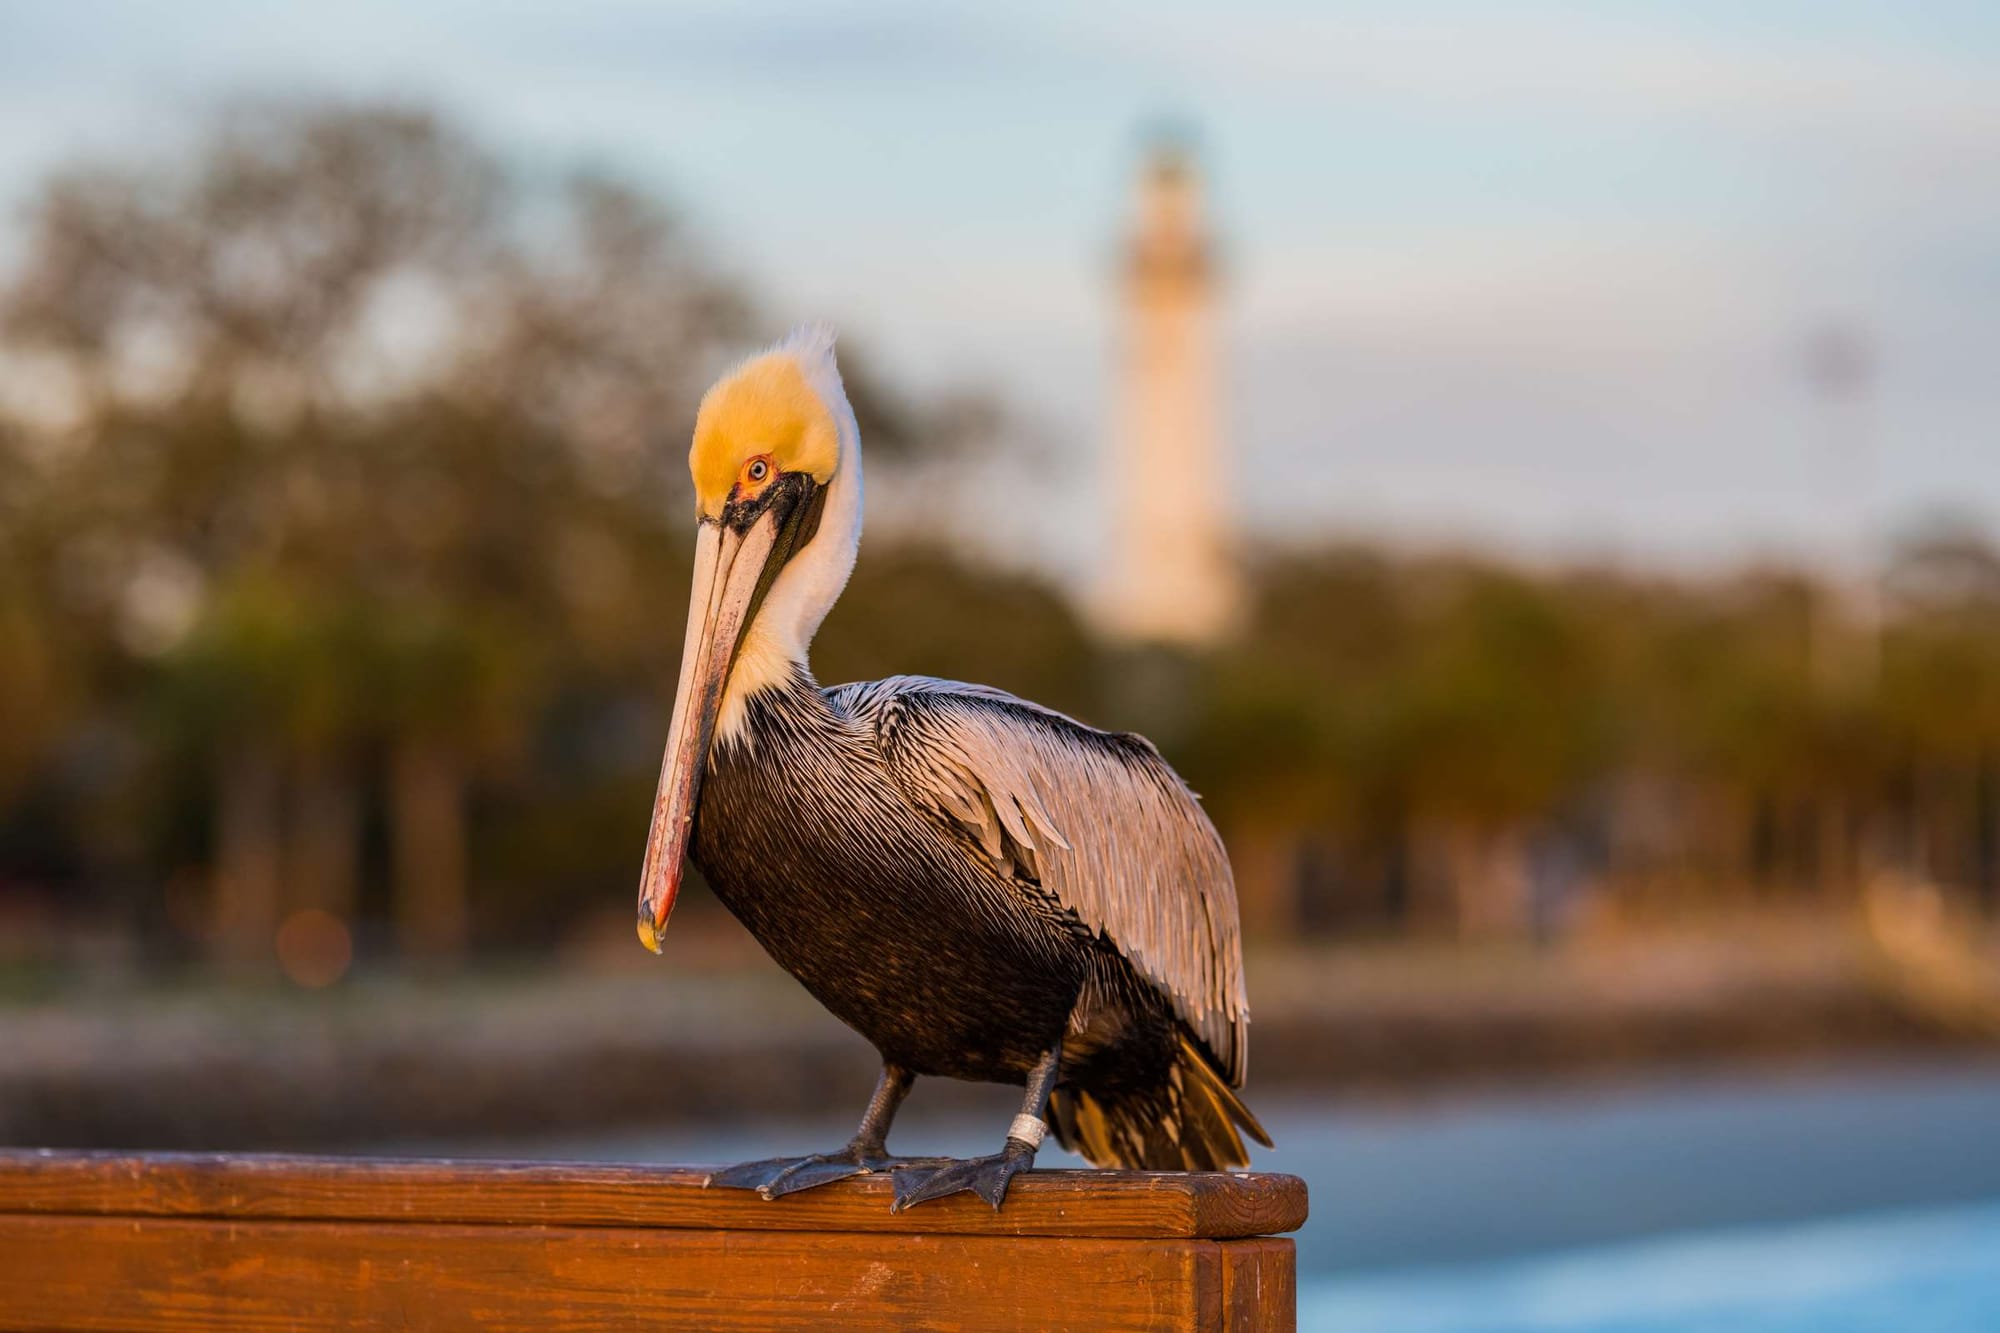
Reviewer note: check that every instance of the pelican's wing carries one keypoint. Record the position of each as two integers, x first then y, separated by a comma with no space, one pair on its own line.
1096,818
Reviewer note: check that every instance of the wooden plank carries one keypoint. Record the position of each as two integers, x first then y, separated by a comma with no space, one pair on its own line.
1212,1206
1259,1286
175,1275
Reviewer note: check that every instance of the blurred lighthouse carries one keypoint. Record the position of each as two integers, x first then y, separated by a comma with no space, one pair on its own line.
1170,576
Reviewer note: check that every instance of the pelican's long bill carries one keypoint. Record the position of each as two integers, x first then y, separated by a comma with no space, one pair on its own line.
736,558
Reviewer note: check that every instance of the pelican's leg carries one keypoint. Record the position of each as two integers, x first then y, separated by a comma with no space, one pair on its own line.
988,1176
867,1151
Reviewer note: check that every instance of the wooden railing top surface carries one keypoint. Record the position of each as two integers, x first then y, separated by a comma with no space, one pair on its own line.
1210,1206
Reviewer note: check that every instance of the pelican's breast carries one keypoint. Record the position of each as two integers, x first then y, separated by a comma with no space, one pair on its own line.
887,920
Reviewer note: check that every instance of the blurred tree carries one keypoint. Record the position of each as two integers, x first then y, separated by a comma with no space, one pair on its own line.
1941,707
235,686
1505,715
339,388
921,610
360,456
353,479
1290,742
29,687
1396,707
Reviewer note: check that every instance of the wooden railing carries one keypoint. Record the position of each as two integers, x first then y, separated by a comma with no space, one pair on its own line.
179,1243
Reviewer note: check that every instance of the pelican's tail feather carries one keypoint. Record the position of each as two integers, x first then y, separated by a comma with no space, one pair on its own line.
1190,1122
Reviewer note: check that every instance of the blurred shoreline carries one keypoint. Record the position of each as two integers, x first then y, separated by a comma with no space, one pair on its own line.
715,1037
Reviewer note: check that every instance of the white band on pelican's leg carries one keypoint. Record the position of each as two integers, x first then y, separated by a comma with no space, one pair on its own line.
1028,1129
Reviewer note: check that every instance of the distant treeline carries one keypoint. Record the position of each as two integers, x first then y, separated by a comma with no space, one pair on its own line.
343,539
1465,745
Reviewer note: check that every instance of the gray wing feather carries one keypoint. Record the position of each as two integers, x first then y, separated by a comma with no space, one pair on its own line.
1099,820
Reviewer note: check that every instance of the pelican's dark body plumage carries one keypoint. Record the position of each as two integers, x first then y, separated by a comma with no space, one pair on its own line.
983,888
876,910
951,960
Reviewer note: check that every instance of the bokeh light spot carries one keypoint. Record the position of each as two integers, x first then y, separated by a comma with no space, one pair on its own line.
315,948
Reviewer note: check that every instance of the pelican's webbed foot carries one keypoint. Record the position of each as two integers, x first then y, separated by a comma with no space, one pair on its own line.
866,1152
774,1177
988,1176
985,1176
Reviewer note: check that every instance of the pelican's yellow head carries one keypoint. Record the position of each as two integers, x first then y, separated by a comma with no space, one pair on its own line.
777,482
763,419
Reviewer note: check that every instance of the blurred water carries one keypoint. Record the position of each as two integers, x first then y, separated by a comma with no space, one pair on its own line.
1502,1176
1867,1199
1771,1206
1936,1271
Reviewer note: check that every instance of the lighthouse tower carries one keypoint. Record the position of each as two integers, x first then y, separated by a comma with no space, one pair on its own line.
1170,575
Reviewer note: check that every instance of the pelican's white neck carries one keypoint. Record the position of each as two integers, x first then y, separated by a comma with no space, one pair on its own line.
776,645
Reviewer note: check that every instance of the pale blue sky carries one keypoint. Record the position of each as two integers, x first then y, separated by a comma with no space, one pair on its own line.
1536,274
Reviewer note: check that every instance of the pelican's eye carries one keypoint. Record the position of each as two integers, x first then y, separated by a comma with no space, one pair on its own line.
755,476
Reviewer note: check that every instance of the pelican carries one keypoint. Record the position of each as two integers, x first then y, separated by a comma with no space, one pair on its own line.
982,887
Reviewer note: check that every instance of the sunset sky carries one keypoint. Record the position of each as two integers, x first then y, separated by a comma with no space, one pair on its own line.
1540,275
